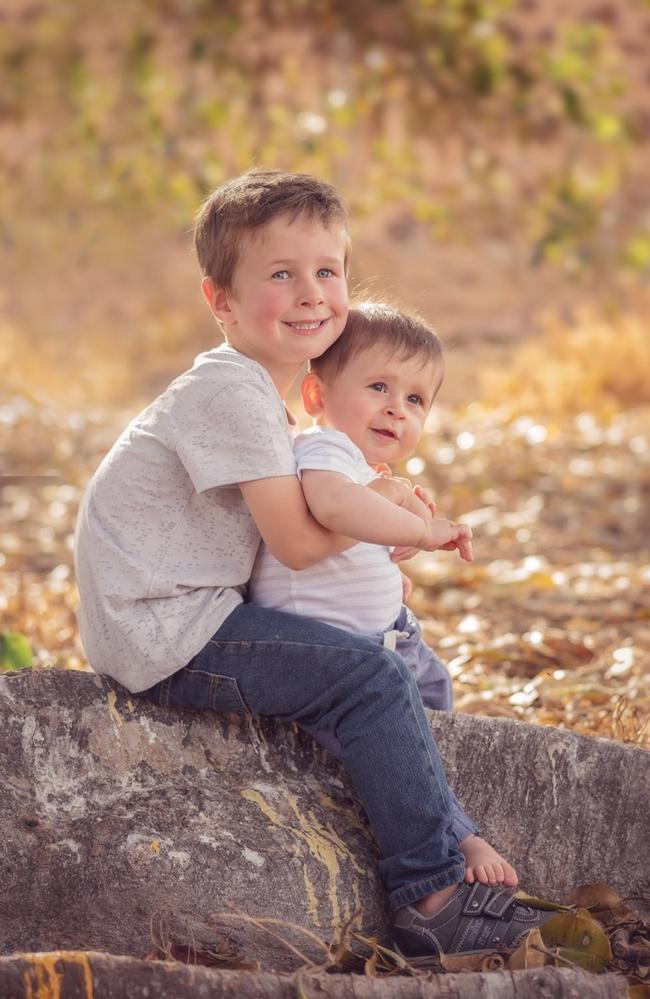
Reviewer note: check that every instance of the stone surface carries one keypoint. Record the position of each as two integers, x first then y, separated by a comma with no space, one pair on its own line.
76,975
121,821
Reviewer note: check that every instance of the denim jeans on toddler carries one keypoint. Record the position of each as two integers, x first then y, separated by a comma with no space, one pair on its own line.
433,683
266,662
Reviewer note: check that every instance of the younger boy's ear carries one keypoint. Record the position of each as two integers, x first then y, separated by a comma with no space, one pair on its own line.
218,301
311,391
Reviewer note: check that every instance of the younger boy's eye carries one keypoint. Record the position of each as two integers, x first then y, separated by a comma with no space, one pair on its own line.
416,399
378,386
280,275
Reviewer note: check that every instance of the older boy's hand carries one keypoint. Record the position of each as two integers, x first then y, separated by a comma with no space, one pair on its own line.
426,498
401,493
402,554
385,472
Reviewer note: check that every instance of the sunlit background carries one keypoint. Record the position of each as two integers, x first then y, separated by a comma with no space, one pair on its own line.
494,156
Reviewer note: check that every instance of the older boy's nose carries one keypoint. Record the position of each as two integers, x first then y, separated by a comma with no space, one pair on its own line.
310,293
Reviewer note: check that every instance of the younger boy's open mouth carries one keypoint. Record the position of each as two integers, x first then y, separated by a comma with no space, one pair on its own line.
390,434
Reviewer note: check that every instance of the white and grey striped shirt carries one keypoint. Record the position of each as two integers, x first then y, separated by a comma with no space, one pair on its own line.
360,589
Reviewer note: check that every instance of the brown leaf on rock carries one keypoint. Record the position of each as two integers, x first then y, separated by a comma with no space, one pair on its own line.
578,939
529,953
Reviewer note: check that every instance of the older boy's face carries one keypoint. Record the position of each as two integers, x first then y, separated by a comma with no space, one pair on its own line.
381,402
289,299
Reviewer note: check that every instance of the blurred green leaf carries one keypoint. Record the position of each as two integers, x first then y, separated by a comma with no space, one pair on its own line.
15,651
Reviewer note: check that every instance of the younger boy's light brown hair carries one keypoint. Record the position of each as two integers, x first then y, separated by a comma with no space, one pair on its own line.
251,201
373,324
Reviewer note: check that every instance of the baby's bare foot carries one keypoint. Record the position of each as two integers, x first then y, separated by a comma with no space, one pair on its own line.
484,864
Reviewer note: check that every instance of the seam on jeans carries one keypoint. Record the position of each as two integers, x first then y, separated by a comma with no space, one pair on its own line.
428,753
165,691
301,645
216,680
415,890
239,645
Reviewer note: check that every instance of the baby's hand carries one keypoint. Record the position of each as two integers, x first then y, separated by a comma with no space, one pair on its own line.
445,535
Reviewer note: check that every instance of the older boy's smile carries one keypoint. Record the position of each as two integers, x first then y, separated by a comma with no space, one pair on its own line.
301,326
289,295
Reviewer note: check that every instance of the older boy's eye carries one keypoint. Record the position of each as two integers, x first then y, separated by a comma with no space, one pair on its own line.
325,272
281,275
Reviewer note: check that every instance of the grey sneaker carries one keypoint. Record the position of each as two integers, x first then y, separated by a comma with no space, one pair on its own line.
477,919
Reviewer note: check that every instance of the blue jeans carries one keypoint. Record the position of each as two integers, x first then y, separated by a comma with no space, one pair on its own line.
435,689
265,662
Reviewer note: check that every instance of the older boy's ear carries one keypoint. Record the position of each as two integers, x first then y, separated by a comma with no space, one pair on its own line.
218,301
311,391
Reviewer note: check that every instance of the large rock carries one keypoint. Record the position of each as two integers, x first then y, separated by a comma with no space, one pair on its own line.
120,820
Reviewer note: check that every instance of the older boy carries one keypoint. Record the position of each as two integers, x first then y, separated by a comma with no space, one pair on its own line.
171,522
370,393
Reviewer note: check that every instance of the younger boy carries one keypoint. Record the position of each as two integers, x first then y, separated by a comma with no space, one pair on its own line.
370,393
169,528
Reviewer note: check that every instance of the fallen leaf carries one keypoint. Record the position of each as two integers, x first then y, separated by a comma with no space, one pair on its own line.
579,939
527,954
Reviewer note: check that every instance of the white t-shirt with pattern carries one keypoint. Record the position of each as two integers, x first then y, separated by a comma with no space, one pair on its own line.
165,543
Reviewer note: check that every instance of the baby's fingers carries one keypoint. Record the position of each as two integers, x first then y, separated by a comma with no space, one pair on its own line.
465,549
464,543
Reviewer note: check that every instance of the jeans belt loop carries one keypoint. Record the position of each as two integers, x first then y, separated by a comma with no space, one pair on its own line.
390,638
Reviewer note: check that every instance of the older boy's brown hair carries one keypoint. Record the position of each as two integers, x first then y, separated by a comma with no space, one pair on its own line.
249,202
371,324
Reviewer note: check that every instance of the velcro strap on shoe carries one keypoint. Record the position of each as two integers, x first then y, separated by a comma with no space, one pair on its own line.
498,903
476,899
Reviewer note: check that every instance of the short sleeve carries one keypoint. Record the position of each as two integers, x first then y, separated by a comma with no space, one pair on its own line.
241,434
332,451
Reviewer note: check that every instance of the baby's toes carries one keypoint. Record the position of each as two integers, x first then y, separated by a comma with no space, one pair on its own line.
469,875
509,876
481,874
498,874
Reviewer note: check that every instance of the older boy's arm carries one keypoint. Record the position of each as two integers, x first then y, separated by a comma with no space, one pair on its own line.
289,530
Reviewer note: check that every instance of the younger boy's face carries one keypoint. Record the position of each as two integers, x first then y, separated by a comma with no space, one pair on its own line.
381,402
289,299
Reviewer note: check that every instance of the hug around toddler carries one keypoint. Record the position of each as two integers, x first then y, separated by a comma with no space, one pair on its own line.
171,522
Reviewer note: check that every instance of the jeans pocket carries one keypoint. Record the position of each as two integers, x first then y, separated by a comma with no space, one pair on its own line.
199,690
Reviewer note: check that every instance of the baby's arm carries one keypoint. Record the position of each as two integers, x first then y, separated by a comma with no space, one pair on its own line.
359,512
290,531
